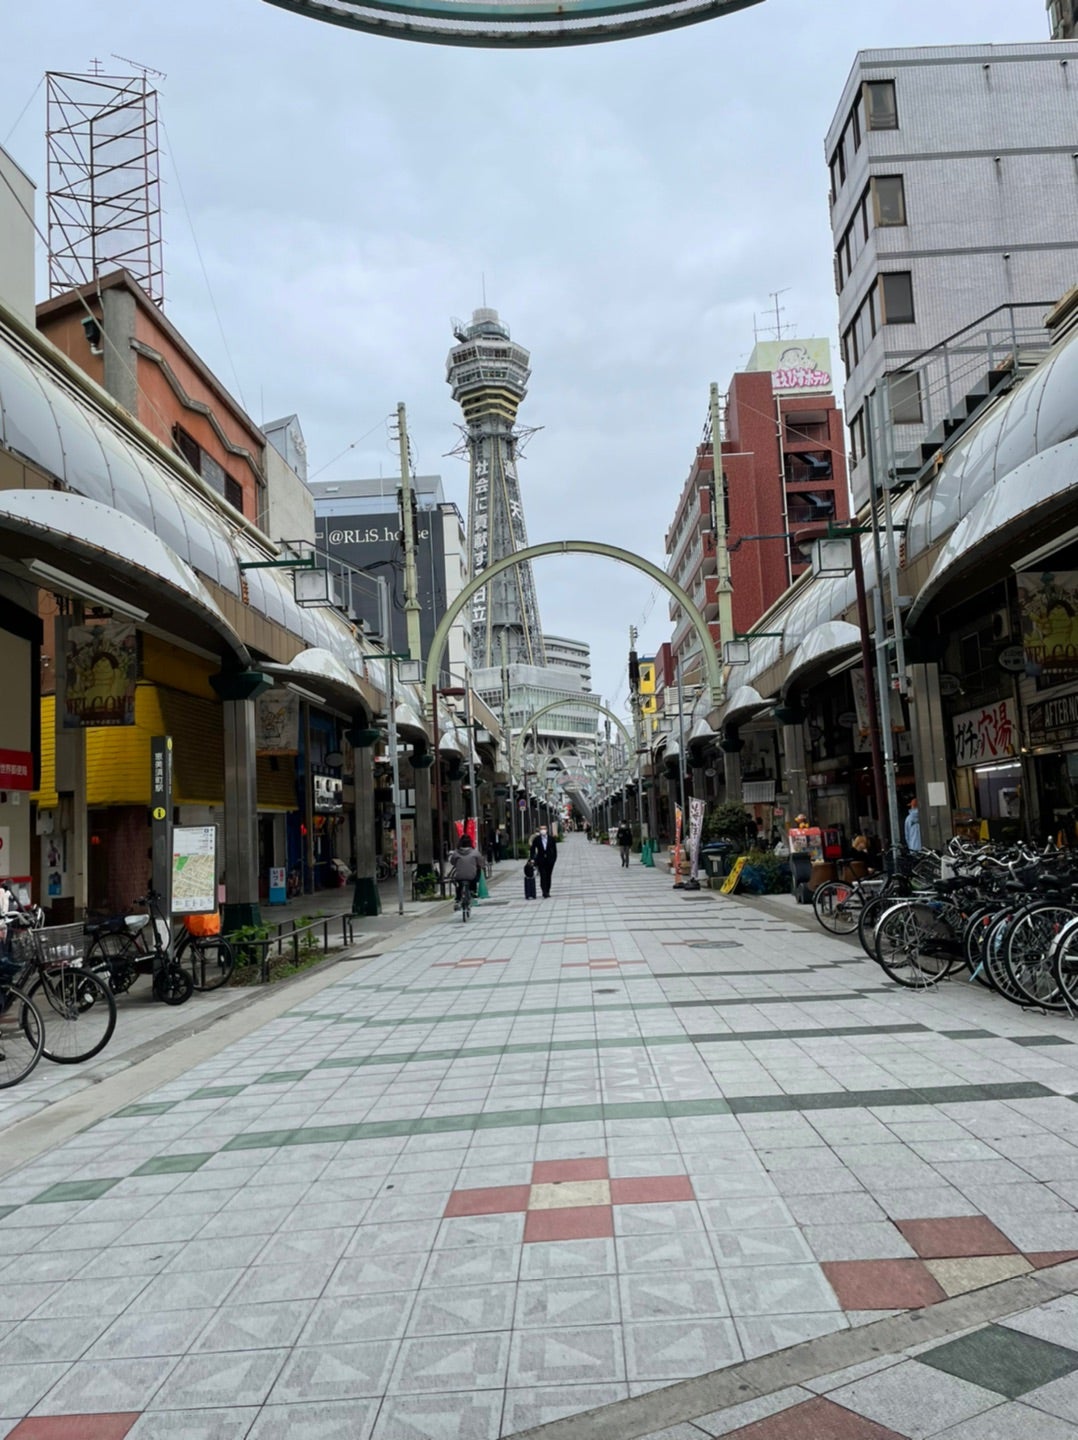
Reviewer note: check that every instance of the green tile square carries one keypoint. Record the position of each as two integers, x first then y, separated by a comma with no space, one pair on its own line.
320,1135
280,1077
258,1140
1038,1040
157,1107
572,1114
214,1092
1005,1361
66,1190
338,1062
682,1109
384,1129
636,1110
6,1210
506,1119
174,1164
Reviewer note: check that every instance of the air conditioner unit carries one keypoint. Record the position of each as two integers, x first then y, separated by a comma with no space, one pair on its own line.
1001,624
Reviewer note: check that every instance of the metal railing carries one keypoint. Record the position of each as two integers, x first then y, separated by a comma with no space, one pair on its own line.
289,933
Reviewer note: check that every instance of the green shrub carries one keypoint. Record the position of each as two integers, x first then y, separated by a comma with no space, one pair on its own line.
248,942
727,821
765,874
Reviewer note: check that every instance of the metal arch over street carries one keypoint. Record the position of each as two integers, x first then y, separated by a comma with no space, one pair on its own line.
587,547
594,702
513,24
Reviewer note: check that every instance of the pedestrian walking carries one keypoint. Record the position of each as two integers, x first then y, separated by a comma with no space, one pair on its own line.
912,827
624,841
544,856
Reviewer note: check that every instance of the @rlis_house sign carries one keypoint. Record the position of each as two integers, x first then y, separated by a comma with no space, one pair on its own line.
513,23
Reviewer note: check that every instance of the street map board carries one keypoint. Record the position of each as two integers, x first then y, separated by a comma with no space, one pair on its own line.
194,869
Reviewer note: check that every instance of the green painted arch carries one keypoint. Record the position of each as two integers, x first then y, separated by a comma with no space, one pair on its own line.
593,704
440,638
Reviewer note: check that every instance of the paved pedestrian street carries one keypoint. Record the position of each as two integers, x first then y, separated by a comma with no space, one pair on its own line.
609,1152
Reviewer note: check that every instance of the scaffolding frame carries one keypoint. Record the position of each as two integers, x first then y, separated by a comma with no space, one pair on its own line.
104,181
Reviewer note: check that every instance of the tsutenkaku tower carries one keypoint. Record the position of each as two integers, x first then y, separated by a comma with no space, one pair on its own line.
489,376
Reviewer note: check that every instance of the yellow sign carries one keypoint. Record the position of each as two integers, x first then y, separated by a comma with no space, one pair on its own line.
159,812
733,880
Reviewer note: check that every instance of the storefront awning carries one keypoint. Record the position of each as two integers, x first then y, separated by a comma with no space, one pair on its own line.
1043,486
743,704
826,643
101,548
320,673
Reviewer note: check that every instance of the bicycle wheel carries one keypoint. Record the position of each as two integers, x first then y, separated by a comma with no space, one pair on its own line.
915,946
209,960
1065,965
974,934
172,984
465,905
869,918
78,1011
993,963
1027,954
837,906
114,959
22,1036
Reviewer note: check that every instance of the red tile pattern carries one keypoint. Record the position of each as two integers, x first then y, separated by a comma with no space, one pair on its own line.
882,1284
467,962
569,1222
113,1426
817,1419
576,1222
651,1190
1040,1259
956,1238
551,1172
492,1200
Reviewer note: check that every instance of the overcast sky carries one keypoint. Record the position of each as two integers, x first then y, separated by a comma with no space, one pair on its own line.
631,207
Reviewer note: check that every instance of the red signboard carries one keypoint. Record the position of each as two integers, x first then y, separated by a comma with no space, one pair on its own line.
16,770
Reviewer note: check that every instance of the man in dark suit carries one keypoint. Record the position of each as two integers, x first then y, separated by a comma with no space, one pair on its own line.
544,856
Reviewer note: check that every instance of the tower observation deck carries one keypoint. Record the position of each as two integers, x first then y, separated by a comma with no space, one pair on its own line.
489,379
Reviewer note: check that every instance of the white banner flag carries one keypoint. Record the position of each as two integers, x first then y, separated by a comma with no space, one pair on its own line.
696,829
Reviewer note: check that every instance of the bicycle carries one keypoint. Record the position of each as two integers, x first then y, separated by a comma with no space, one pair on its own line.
128,946
22,1035
464,899
77,1007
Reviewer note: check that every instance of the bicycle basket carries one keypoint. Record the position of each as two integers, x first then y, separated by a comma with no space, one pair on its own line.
57,944
203,926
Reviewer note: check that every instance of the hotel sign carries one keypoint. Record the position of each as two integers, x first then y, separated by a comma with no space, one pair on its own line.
798,367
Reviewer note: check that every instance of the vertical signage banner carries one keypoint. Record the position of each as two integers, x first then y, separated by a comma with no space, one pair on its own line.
277,722
678,821
101,674
696,828
161,818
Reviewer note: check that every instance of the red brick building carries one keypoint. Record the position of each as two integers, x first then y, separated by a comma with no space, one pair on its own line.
785,468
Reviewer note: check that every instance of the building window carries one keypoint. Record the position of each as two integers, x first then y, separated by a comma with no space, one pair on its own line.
889,200
904,390
881,110
188,447
897,295
234,493
857,437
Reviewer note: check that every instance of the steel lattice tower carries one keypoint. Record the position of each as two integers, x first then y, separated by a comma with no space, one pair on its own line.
489,377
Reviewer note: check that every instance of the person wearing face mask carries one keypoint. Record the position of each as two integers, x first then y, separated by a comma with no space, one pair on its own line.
544,856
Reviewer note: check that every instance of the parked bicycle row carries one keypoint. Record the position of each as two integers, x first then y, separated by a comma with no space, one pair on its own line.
58,983
1007,919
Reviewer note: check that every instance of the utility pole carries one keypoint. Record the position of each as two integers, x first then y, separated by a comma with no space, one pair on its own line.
411,589
722,553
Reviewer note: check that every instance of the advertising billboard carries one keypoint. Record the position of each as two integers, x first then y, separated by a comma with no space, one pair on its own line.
372,544
798,367
1049,604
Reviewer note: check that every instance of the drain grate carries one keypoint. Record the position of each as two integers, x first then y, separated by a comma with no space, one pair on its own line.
606,992
714,945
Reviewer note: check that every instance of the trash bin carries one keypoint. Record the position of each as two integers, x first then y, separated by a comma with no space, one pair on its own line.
717,857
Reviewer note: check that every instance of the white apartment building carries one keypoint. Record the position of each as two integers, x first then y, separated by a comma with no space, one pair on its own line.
568,654
954,213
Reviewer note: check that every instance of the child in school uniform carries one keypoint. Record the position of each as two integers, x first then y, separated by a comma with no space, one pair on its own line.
529,881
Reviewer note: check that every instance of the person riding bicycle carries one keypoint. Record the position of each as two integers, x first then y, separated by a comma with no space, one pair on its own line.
465,863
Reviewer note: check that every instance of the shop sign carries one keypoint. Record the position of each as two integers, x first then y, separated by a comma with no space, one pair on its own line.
16,770
951,685
1012,659
1049,603
101,674
988,733
1053,721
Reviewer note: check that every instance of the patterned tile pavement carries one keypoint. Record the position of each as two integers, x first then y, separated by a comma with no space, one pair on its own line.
570,1156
